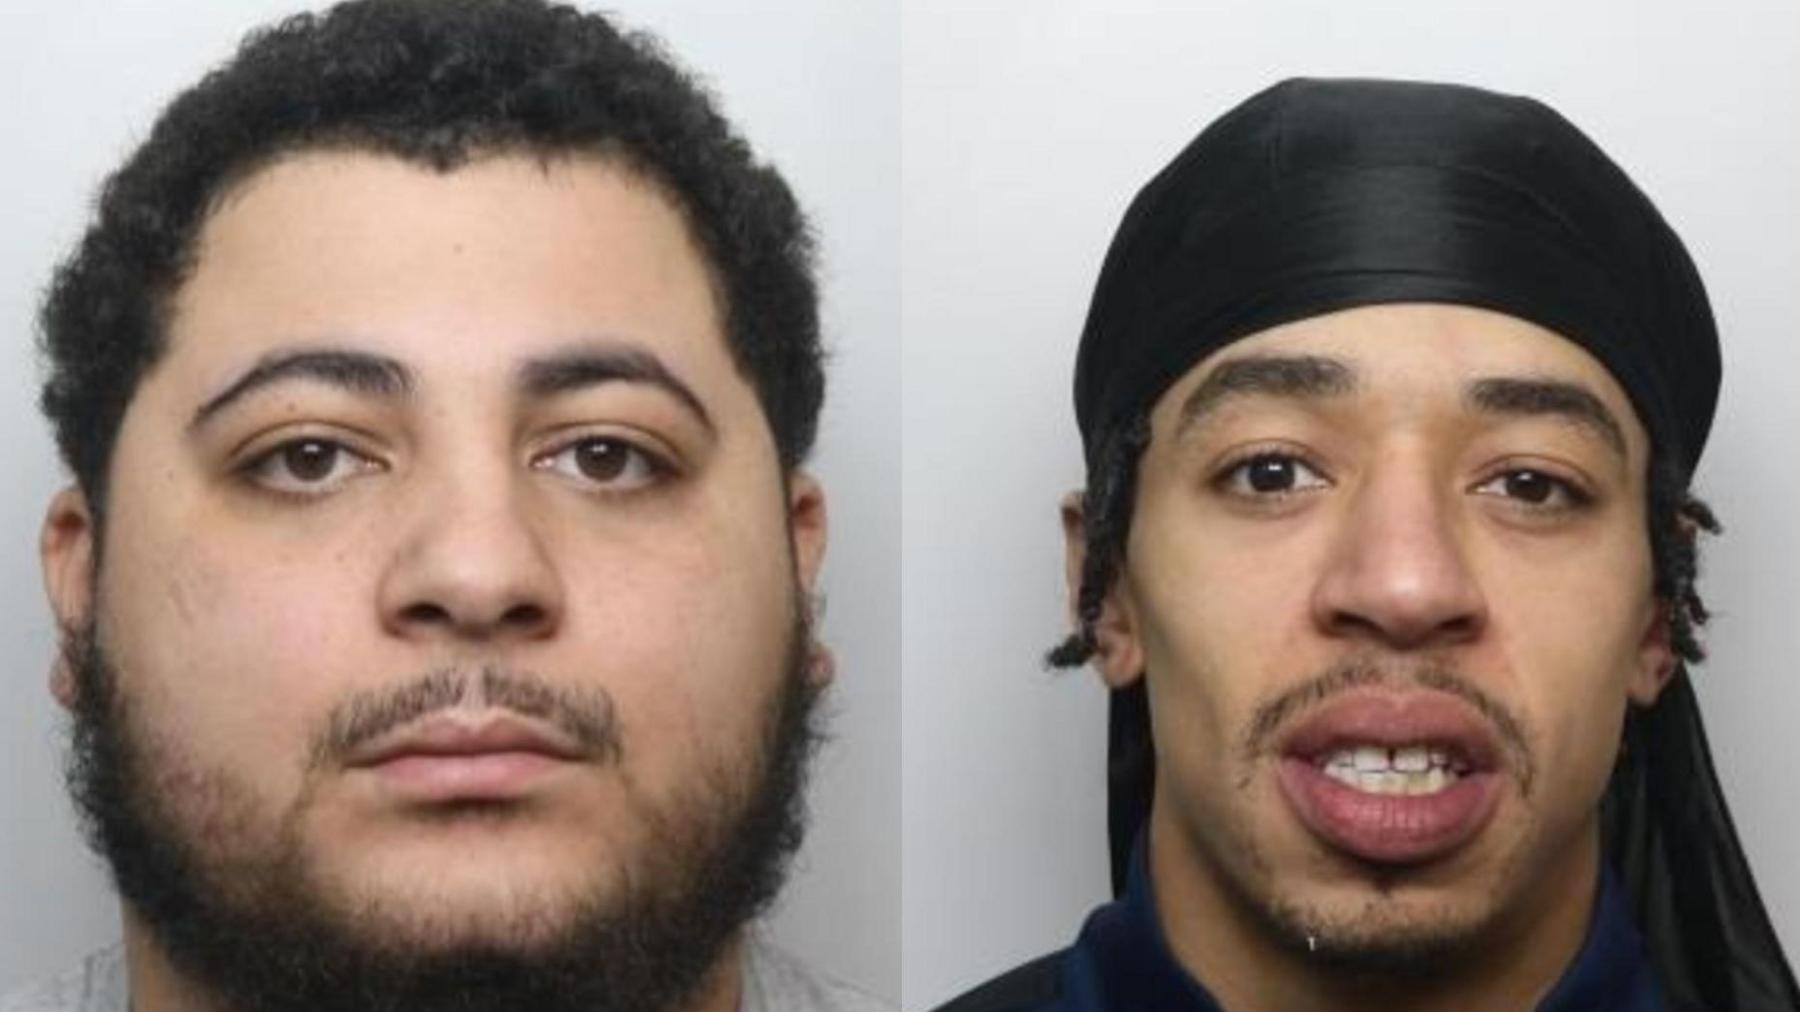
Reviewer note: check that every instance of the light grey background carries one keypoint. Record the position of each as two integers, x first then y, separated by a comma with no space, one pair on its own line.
813,84
1026,129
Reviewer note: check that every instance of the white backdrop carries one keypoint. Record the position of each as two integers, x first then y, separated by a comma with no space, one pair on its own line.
1015,134
1027,127
812,83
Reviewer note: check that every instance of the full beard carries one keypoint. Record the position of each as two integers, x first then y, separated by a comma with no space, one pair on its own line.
251,927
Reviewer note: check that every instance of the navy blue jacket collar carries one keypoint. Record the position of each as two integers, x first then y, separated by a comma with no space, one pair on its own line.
1122,963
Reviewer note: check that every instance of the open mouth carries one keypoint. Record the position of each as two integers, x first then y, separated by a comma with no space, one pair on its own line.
1392,778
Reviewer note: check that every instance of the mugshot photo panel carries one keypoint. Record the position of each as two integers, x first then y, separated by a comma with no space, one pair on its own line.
1027,132
812,86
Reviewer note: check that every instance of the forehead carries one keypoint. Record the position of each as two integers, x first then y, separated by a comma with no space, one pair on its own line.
1420,353
482,263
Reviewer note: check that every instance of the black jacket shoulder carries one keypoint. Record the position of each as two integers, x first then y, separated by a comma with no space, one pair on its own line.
1021,989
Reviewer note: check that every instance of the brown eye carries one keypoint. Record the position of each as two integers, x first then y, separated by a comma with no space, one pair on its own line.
308,467
602,459
310,461
1271,474
1536,490
1531,486
612,464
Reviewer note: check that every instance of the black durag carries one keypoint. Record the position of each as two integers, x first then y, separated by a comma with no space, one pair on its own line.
1320,195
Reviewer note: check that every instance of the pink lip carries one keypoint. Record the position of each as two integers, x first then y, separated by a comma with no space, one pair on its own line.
460,757
1392,829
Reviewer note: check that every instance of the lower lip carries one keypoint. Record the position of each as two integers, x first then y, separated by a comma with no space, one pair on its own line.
1389,828
484,776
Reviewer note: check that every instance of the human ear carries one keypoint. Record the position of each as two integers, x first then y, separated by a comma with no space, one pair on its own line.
1118,651
1656,661
66,557
807,525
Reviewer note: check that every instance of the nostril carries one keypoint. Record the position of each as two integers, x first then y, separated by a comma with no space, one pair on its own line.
425,613
519,616
1460,627
1349,622
1406,630
472,578
525,616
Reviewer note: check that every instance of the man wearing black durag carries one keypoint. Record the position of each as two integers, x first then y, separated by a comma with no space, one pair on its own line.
1391,393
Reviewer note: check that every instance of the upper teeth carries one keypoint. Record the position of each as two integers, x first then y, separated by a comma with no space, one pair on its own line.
1410,769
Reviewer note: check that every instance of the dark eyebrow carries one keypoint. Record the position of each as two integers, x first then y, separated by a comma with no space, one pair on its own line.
1304,376
594,364
1572,402
356,371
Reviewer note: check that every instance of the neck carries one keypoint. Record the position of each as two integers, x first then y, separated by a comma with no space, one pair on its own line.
157,986
154,984
723,990
1510,964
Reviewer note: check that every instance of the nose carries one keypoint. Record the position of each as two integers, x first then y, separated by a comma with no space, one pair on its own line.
1398,576
471,565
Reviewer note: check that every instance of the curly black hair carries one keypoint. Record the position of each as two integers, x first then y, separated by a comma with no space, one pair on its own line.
437,83
1675,518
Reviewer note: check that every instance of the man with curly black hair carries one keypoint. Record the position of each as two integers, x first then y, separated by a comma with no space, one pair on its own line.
1391,393
435,579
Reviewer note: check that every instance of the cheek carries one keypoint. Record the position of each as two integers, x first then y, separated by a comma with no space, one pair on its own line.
689,633
1235,605
230,663
1210,573
1217,625
1571,636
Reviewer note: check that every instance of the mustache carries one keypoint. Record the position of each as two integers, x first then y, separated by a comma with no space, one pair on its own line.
586,715
1364,672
